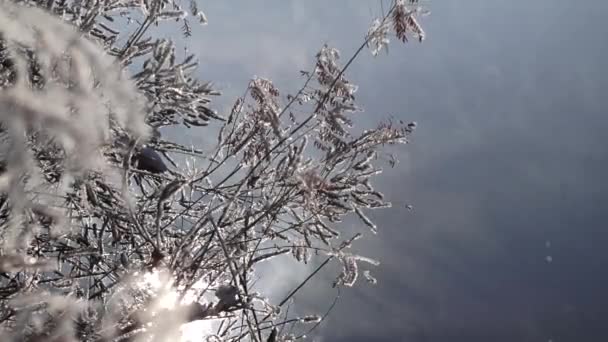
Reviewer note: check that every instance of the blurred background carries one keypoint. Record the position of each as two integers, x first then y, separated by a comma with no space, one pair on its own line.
506,173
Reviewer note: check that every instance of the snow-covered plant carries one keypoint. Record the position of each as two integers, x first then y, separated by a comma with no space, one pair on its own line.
110,231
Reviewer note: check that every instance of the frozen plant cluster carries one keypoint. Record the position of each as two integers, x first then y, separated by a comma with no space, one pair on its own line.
110,231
